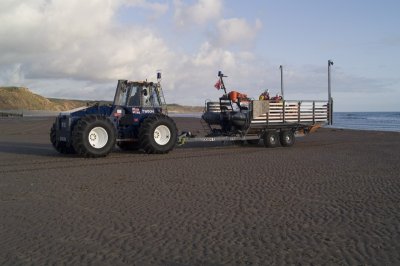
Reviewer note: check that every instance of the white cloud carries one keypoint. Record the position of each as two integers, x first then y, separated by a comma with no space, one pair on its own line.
12,75
69,48
202,12
237,32
78,39
157,9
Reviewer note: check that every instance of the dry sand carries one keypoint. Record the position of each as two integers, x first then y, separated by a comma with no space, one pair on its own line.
333,198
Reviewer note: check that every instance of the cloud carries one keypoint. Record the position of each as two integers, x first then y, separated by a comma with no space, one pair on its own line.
78,39
237,32
13,75
157,9
69,48
200,13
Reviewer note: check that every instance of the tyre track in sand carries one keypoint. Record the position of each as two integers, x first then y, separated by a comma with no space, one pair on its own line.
78,162
118,157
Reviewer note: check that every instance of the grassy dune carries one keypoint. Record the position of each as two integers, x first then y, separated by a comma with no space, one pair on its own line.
20,98
12,98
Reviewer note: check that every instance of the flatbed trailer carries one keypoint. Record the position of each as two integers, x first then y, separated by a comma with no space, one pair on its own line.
297,117
274,121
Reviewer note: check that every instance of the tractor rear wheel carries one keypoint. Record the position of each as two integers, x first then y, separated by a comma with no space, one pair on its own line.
158,134
287,138
271,139
93,136
60,146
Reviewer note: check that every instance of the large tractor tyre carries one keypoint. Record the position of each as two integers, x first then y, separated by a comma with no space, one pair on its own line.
60,146
271,139
93,136
128,146
287,138
158,134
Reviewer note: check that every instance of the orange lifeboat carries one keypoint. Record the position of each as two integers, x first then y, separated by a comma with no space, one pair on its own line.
234,96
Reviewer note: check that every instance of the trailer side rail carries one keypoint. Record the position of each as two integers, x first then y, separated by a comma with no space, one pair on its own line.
300,112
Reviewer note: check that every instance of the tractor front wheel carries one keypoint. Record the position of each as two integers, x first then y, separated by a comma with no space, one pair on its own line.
60,146
93,136
158,134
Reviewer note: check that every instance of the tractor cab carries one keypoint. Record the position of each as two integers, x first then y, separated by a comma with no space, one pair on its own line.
139,94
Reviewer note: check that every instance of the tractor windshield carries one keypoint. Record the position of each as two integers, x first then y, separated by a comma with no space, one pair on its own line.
137,94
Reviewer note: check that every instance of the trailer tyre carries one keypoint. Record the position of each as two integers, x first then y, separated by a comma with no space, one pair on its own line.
60,146
93,136
287,138
158,134
271,139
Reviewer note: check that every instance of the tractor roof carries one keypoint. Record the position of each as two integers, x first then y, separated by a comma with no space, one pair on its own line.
140,83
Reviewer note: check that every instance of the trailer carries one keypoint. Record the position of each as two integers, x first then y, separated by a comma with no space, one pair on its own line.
275,121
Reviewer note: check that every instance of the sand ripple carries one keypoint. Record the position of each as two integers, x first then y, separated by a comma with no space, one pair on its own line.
331,199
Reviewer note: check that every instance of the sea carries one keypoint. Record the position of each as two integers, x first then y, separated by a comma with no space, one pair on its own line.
377,121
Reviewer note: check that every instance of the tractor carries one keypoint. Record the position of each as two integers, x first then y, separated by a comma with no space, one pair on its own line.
137,119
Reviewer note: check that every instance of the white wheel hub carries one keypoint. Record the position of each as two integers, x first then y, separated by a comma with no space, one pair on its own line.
98,137
162,135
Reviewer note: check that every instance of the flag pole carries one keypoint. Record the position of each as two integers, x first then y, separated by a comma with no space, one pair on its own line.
281,68
220,75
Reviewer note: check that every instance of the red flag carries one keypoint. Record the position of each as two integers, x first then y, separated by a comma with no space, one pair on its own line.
218,84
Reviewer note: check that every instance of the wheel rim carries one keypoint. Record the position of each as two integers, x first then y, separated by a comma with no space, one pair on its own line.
288,138
272,139
162,135
98,137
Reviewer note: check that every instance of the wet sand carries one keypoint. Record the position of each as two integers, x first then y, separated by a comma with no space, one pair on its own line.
333,198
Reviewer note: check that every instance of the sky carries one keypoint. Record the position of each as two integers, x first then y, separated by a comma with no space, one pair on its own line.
79,49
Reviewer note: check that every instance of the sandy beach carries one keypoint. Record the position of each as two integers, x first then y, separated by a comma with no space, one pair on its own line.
331,199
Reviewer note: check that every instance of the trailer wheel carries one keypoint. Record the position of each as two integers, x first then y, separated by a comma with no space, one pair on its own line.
60,146
158,134
271,139
287,138
128,146
93,136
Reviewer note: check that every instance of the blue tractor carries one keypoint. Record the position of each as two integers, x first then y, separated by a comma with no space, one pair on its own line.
137,119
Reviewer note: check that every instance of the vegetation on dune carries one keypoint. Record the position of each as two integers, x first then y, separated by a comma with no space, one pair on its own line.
20,98
16,98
